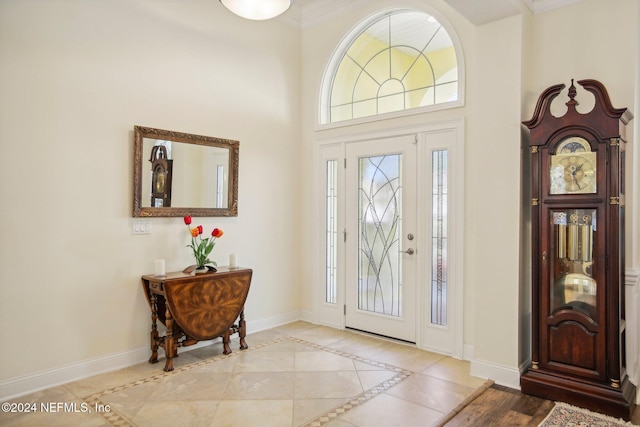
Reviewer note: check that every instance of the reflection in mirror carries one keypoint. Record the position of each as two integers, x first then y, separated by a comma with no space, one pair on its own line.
178,174
202,184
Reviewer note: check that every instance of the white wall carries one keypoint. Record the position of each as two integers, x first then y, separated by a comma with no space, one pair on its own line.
493,207
75,77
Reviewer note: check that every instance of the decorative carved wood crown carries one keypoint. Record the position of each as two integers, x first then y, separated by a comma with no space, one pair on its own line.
602,121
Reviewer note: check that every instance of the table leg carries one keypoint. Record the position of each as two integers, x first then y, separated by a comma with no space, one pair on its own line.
169,342
154,329
226,342
243,331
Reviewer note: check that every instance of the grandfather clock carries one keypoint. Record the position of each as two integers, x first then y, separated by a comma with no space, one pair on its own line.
161,177
577,222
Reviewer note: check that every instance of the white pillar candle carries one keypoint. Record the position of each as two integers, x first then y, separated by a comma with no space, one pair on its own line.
232,261
159,267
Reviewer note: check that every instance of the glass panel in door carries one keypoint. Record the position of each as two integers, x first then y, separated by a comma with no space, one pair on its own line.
439,237
573,283
379,234
331,232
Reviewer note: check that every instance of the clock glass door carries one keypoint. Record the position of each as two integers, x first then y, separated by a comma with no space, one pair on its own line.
571,323
573,285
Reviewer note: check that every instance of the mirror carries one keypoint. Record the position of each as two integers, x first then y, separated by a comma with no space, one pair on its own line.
179,174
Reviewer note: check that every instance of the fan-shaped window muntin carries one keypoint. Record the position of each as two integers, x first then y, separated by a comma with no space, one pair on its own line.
402,60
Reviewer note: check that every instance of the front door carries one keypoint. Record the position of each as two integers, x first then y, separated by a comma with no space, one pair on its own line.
380,240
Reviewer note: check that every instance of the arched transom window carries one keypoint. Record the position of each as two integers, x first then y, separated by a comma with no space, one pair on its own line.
400,61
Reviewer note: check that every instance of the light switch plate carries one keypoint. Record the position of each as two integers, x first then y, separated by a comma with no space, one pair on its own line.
141,227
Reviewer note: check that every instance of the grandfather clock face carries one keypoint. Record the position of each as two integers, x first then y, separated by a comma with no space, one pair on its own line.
573,168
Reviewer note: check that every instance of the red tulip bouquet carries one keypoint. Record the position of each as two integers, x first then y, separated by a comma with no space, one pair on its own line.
202,247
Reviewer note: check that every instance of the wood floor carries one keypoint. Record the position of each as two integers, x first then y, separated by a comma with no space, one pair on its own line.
502,406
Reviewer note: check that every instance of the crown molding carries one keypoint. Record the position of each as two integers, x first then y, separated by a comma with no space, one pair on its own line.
541,6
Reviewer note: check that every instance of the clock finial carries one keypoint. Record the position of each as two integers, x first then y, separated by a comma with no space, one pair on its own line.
572,95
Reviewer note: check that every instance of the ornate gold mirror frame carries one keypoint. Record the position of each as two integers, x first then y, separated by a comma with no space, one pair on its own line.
202,180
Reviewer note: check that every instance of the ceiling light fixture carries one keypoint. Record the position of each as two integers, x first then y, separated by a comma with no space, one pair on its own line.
257,10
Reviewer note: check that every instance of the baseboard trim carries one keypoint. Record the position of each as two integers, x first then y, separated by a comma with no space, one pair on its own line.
468,351
30,383
503,375
273,321
36,381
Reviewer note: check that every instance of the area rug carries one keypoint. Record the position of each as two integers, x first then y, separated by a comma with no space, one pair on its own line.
563,415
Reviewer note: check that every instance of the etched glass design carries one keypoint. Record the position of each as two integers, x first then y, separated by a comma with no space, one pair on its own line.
331,231
379,231
439,235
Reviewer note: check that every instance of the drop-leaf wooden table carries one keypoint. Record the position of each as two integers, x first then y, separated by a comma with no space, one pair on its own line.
196,308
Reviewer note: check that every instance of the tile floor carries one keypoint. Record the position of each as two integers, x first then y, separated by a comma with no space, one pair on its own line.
298,374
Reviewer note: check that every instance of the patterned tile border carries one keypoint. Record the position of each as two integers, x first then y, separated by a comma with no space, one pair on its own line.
118,420
356,401
401,374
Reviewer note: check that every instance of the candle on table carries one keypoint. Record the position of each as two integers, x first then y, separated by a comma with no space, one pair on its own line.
232,261
159,267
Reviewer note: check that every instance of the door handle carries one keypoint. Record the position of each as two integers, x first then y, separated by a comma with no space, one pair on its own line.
409,251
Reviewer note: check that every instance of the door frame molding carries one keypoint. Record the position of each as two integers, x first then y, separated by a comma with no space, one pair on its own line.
333,314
